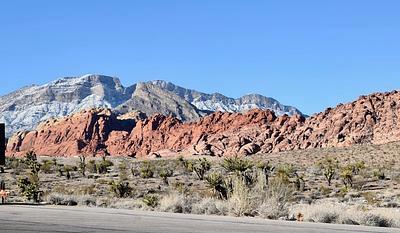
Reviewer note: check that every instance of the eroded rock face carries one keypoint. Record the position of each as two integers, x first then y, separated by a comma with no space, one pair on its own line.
371,119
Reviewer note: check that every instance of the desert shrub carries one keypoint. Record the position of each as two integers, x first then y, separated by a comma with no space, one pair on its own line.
200,167
285,172
68,169
30,156
345,214
370,197
102,167
329,167
275,203
324,216
187,165
376,220
91,166
242,168
29,187
151,200
125,203
87,200
176,203
16,163
358,167
164,173
60,169
379,174
61,199
123,173
120,189
146,170
180,187
241,200
216,183
210,206
47,166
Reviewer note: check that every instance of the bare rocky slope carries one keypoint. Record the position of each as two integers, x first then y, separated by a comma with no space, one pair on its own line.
371,119
25,108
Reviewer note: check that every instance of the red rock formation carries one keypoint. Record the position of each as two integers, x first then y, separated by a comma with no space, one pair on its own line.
371,119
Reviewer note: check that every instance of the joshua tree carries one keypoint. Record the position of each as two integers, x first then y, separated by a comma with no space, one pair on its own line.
29,186
68,170
201,167
329,167
267,169
347,176
164,173
82,165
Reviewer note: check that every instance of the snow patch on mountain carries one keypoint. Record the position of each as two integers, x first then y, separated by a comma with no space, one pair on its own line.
25,108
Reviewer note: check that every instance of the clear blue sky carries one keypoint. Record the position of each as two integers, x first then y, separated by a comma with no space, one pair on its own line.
309,54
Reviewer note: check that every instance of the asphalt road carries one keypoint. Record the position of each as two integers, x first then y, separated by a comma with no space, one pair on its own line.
74,219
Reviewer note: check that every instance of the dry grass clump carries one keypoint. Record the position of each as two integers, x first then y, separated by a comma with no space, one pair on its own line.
211,206
70,200
126,203
276,201
176,203
343,214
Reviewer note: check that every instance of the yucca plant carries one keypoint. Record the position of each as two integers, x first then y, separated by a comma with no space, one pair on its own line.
151,200
237,164
216,183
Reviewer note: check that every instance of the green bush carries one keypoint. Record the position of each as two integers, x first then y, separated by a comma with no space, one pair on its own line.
379,174
146,170
121,189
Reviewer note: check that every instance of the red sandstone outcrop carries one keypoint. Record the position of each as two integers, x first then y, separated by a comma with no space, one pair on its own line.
371,119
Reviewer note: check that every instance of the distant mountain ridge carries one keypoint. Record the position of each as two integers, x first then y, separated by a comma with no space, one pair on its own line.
218,102
25,108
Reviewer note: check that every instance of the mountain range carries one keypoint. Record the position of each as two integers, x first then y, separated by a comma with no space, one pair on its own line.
372,119
25,108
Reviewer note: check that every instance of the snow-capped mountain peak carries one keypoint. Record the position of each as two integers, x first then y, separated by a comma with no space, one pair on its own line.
25,108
